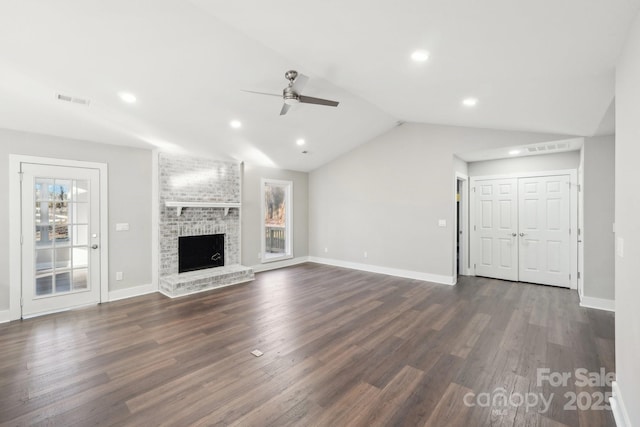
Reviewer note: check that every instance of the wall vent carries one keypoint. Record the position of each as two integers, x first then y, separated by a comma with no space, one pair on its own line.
72,99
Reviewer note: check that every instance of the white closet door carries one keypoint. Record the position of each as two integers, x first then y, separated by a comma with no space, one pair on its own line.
496,228
544,219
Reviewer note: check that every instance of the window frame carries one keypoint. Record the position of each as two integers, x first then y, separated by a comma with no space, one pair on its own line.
288,252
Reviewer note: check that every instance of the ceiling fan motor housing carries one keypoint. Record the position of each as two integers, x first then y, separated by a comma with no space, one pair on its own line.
290,97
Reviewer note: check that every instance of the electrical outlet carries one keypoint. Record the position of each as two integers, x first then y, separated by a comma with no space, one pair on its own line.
442,223
257,353
119,275
326,250
366,255
620,247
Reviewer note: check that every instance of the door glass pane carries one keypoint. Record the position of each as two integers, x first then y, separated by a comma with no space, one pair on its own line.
80,235
44,261
80,257
61,190
44,285
63,258
81,190
63,282
80,213
80,279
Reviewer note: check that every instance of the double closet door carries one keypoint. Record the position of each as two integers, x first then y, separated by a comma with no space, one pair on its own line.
523,229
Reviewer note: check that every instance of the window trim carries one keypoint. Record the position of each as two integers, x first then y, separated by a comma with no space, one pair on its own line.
288,253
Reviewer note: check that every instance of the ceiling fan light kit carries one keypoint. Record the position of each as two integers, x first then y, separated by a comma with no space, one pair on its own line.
291,94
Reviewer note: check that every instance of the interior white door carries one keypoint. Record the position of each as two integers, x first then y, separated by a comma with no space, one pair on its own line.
60,230
544,230
496,228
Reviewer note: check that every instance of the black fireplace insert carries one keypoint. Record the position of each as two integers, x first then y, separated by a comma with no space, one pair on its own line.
200,252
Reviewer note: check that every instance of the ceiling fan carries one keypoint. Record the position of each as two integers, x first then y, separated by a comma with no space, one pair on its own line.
291,94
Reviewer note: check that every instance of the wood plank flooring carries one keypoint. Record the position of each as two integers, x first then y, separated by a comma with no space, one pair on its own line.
341,348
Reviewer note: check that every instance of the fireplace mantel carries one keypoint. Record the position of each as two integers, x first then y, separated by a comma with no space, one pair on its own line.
179,205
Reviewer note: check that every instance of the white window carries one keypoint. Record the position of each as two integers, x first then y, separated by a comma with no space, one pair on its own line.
277,217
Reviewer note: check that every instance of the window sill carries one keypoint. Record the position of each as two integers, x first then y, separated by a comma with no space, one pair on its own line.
267,259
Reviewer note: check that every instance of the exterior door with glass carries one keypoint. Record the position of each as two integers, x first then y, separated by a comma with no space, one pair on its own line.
60,238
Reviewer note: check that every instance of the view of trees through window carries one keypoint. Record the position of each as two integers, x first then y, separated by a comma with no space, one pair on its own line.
275,221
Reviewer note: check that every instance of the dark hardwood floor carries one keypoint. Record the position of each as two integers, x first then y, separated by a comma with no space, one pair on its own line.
341,348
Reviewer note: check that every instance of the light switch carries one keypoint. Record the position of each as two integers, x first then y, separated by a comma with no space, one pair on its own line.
119,275
442,223
122,226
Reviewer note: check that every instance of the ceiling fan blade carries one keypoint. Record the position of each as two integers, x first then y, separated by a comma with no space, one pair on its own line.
285,108
299,83
319,101
262,93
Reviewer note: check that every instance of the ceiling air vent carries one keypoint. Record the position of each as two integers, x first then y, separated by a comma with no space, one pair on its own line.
72,99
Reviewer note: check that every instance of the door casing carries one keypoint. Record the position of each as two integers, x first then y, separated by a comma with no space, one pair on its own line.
15,224
573,268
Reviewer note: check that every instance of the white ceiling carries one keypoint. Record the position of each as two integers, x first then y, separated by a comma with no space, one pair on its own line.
544,65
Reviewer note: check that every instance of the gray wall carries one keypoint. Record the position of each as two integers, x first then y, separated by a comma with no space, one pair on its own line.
627,228
599,209
129,201
545,162
251,215
386,197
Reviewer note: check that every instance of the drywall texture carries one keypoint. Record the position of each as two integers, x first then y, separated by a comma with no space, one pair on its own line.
627,224
252,217
386,197
129,201
599,209
545,162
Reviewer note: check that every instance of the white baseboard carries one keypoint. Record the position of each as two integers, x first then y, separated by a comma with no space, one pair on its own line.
279,264
5,316
408,274
131,292
598,303
617,407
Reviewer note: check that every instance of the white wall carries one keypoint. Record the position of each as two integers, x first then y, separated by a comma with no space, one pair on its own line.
251,213
627,214
599,197
386,197
545,162
129,201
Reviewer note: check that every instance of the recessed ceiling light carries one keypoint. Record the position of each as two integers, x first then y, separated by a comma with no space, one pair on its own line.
300,141
514,152
470,102
420,55
236,124
129,98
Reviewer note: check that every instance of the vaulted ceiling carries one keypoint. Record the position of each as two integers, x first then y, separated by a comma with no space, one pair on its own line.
542,66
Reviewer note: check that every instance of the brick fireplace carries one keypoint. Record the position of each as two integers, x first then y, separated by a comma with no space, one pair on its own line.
204,199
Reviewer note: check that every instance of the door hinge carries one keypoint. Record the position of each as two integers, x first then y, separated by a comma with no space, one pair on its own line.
21,239
474,189
579,232
21,302
569,231
578,274
569,276
474,265
474,228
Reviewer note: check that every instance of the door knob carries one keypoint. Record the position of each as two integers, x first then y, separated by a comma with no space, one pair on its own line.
94,246
513,234
522,234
